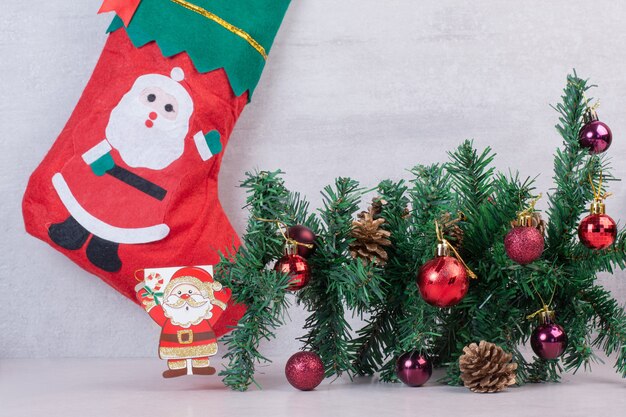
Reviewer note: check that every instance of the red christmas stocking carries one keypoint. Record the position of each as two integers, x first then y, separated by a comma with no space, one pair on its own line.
131,182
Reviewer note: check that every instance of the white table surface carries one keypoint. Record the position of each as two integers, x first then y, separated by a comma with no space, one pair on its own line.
134,387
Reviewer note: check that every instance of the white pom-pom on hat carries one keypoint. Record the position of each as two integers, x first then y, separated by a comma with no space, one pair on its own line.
177,74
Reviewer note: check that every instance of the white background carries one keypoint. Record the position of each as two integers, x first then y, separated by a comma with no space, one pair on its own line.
357,88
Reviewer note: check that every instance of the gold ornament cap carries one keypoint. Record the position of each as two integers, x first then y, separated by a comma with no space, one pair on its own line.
590,116
525,220
443,249
597,207
291,248
546,316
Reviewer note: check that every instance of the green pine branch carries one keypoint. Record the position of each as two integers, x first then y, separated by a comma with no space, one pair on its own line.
572,167
339,283
262,291
368,347
610,324
471,174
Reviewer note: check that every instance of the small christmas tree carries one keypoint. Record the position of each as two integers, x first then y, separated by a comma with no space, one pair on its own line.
473,207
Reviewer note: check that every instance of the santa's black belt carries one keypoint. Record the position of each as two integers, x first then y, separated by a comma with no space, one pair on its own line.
137,182
187,336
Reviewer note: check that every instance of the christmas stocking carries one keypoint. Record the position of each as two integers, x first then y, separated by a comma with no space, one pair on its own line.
131,182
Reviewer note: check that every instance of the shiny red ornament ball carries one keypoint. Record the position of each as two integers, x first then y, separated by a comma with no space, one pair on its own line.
524,244
597,231
298,269
414,369
304,371
549,341
443,281
303,234
595,136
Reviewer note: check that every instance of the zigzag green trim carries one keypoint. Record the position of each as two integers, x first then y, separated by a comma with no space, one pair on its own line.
176,29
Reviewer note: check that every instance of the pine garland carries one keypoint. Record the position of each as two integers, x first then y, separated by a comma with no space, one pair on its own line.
386,297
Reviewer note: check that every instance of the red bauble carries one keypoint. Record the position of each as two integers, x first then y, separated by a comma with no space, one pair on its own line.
304,370
597,231
413,369
298,269
443,281
549,340
302,234
524,244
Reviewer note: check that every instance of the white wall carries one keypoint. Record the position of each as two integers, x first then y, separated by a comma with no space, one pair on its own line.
357,88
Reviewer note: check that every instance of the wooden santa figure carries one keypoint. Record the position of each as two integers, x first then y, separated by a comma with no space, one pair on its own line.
192,302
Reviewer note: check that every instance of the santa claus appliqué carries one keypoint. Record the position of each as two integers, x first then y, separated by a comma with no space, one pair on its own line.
192,303
118,191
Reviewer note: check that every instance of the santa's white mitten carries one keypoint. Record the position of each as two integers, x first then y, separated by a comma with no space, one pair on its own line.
103,164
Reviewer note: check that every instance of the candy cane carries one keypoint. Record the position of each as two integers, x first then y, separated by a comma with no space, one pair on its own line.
159,282
153,293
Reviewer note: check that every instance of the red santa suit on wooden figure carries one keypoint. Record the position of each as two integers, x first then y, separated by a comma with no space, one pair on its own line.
192,303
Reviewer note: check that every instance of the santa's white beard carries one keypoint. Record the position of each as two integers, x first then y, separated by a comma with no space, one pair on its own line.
186,315
141,146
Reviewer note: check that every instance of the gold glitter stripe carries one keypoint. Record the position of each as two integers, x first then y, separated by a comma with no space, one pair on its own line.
200,363
188,352
176,364
234,29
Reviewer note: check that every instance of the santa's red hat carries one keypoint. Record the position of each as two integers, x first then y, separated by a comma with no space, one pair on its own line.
193,271
195,276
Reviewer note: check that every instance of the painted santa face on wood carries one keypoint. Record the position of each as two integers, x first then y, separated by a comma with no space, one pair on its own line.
149,125
186,305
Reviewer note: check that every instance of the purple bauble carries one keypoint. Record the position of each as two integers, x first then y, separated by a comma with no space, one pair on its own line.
595,136
304,370
302,234
548,341
414,369
524,244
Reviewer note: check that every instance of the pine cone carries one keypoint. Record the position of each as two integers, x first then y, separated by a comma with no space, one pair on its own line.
377,206
370,238
450,227
539,223
486,367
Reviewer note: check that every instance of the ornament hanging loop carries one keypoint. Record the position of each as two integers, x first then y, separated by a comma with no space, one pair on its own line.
525,217
291,245
590,114
597,206
444,248
545,315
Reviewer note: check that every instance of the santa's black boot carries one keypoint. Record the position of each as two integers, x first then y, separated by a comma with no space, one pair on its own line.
103,254
69,234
